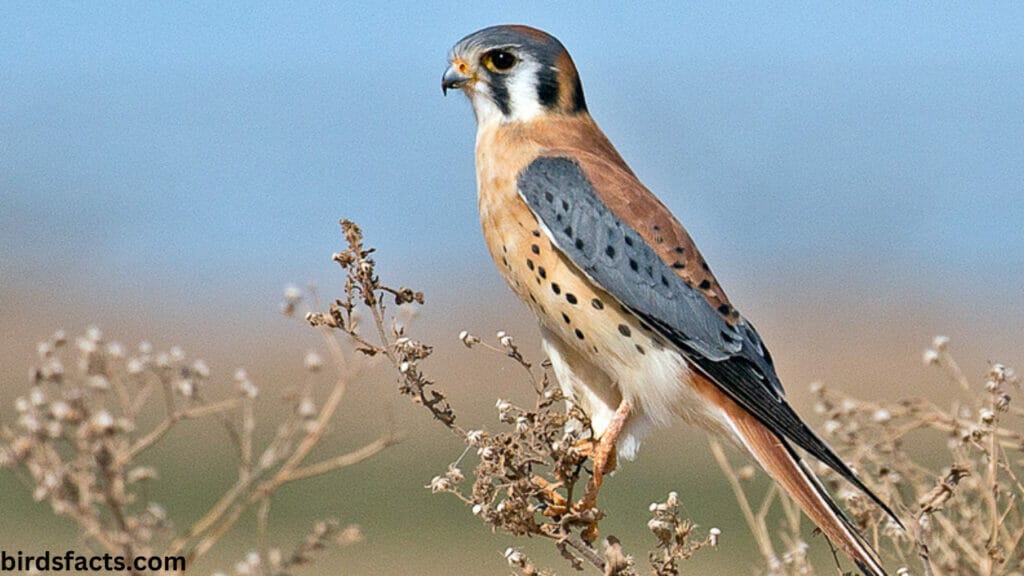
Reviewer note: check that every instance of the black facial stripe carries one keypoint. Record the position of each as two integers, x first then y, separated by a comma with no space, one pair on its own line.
545,54
579,104
547,87
499,91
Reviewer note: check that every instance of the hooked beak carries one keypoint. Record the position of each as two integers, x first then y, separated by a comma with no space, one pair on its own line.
456,76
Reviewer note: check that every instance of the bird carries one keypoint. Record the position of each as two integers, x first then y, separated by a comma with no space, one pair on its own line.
637,329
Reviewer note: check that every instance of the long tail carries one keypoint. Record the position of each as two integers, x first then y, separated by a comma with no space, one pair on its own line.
783,464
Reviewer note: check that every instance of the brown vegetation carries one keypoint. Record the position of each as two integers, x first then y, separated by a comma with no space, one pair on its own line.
78,435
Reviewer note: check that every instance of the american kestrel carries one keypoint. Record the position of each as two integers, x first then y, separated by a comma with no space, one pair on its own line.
637,329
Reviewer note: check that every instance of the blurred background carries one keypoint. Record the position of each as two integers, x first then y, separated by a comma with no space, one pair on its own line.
854,175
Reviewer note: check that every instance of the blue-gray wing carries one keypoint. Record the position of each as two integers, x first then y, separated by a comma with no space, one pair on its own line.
620,260
616,257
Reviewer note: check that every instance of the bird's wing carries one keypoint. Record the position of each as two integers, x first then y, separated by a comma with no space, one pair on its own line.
616,253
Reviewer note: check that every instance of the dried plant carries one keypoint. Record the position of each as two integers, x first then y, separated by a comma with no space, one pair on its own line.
969,518
527,475
969,515
75,442
967,511
81,438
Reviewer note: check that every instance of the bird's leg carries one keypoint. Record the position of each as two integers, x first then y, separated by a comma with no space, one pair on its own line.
603,455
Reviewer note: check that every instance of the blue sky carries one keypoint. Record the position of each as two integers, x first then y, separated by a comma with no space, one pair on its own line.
173,148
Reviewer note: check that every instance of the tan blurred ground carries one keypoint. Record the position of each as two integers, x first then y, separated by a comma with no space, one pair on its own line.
848,338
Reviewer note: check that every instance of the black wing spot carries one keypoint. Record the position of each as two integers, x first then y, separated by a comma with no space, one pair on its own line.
629,240
578,334
571,298
724,309
704,265
579,244
633,265
565,205
568,231
640,349
624,330
536,233
543,273
705,284
758,371
680,249
664,282
610,251
556,288
650,272
535,249
529,263
549,197
597,304
566,318
678,265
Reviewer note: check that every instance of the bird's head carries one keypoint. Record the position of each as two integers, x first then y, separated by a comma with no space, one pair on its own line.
513,74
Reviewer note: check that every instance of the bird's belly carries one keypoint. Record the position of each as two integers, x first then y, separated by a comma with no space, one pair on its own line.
606,353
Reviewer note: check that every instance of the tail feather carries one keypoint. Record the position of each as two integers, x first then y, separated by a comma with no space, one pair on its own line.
783,464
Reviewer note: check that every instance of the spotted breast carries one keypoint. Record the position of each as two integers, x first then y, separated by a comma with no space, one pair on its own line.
600,351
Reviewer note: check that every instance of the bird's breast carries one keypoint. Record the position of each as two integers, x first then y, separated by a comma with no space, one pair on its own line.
566,301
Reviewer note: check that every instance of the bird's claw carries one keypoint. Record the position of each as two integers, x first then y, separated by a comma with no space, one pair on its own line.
554,503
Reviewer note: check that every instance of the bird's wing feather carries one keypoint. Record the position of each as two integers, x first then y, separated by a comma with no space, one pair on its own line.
617,257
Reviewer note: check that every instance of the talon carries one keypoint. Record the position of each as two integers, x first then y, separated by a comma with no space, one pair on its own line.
554,503
589,518
586,447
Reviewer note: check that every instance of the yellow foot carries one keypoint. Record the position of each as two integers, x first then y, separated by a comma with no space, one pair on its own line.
604,463
586,446
590,533
554,503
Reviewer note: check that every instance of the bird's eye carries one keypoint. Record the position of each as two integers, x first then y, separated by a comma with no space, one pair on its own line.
499,61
